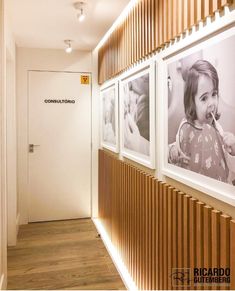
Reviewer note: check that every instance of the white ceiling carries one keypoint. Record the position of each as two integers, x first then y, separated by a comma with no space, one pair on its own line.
47,23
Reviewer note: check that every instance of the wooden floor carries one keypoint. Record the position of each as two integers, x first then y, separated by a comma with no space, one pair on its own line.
61,255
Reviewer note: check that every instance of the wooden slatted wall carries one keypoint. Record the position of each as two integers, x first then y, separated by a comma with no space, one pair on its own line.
156,228
148,26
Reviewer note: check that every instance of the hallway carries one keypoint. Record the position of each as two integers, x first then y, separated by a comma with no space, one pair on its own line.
61,255
117,145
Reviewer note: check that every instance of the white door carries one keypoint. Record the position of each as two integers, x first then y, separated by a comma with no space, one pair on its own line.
60,141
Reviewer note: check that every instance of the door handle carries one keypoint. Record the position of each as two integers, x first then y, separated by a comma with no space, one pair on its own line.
31,147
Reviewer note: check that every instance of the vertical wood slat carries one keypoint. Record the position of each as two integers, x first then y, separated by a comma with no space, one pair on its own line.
133,209
139,43
174,19
146,36
144,229
170,224
124,51
149,18
149,240
225,243
197,11
175,230
126,242
139,229
165,235
156,30
123,213
199,234
160,22
125,44
132,203
140,277
186,230
215,236
216,5
154,235
207,8
207,246
207,236
140,32
165,21
185,15
180,230
226,2
179,17
137,31
141,233
135,249
132,227
192,234
149,25
132,36
191,13
170,20
224,240
157,206
143,26
160,209
130,208
129,40
127,216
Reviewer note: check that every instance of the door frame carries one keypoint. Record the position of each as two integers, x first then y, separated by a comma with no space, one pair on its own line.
3,185
55,71
11,159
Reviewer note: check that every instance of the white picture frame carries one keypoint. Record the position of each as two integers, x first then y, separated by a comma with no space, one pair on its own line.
137,114
109,122
207,43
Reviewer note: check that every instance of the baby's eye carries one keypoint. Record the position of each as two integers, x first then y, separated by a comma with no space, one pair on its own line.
204,98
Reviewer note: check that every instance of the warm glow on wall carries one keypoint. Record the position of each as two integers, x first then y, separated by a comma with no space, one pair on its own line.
119,20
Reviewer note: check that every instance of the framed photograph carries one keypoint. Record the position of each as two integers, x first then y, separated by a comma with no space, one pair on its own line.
199,114
109,116
137,114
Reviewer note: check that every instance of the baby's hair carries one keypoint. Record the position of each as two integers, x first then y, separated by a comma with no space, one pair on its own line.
200,67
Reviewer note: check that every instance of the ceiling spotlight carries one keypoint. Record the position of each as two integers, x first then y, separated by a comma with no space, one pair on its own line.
79,6
68,48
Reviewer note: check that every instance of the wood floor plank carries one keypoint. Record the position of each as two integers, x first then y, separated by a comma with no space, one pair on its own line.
65,255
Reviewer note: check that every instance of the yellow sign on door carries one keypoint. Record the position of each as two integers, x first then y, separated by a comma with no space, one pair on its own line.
85,80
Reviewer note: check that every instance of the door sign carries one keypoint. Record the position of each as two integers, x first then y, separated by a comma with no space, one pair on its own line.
85,80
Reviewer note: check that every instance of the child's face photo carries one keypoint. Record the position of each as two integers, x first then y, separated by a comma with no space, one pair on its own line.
206,100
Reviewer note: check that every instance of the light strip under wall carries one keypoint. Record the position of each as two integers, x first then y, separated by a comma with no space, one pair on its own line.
122,269
120,18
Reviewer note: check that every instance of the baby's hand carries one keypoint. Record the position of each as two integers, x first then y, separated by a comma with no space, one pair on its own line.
229,142
176,157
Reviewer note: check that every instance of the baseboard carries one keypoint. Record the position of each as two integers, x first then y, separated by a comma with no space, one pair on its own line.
121,268
17,224
3,282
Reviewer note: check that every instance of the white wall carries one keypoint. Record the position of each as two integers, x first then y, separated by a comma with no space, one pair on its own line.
3,230
11,144
38,59
95,132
